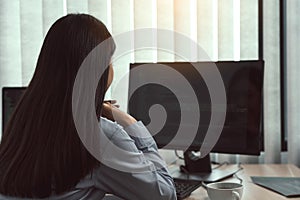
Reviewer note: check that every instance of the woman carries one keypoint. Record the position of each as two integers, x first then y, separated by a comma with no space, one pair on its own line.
41,154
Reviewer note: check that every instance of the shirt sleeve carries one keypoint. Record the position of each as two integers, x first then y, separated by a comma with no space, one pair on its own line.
140,173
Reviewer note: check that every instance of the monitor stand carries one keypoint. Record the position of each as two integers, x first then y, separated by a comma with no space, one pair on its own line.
199,169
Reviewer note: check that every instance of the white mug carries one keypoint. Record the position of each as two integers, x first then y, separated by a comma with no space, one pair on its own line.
224,191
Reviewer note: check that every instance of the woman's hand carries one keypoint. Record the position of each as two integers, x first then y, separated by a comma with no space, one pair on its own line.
113,113
112,102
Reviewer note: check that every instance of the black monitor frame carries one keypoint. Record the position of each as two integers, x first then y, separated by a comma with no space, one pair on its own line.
203,165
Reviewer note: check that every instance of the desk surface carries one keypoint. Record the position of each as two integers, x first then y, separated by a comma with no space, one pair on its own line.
251,190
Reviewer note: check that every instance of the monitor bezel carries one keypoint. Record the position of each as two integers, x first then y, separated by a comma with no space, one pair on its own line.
4,89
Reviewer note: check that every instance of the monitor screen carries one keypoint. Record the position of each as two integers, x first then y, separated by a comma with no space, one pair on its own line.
10,98
241,131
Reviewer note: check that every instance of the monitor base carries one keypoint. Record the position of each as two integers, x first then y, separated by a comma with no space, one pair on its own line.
199,169
213,176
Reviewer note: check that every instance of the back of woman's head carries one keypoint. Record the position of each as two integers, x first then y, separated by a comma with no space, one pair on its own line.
40,151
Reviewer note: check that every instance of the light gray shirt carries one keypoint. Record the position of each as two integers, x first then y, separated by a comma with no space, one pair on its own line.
154,184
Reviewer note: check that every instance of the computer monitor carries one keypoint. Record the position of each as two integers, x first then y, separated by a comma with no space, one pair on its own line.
243,83
10,99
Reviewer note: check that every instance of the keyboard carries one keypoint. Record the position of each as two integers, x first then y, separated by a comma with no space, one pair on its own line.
185,187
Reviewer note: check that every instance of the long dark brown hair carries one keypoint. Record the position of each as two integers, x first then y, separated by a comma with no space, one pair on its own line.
40,151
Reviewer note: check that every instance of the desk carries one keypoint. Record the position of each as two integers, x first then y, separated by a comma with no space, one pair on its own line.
251,190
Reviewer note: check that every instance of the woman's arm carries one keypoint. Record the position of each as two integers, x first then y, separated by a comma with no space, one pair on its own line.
142,173
113,113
